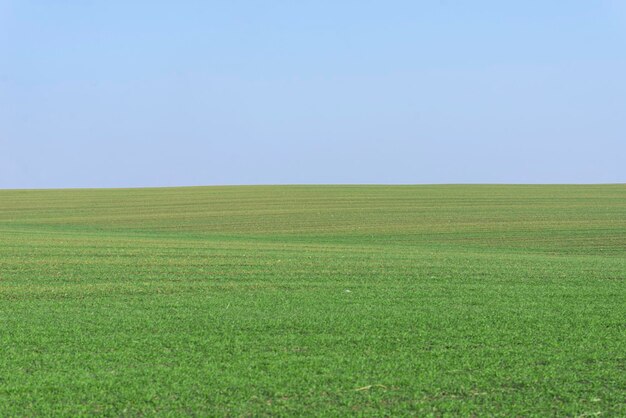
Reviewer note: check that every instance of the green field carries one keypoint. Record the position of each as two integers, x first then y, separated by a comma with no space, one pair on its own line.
314,300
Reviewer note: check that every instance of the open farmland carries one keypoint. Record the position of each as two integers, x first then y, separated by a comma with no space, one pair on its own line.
314,300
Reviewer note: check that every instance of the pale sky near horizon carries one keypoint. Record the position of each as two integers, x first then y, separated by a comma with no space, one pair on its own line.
156,93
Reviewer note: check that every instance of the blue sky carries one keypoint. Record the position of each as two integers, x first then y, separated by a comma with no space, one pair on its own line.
153,93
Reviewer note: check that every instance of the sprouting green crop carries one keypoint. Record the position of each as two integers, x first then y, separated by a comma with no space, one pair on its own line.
314,301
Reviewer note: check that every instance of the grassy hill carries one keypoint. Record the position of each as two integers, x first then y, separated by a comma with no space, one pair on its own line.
314,300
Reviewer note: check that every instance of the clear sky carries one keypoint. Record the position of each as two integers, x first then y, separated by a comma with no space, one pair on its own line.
155,93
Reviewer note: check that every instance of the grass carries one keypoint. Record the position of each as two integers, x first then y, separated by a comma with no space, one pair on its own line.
314,300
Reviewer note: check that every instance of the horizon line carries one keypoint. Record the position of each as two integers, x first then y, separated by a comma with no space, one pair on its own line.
302,185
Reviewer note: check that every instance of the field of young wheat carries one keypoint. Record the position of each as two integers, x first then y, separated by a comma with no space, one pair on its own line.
314,300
